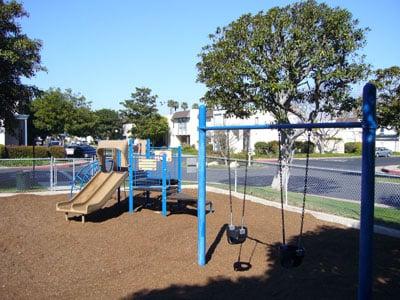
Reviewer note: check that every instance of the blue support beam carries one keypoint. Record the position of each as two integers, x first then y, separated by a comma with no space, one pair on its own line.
148,148
130,169
164,185
367,193
201,204
288,126
179,169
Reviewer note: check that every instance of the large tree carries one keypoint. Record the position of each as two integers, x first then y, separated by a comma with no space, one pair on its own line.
109,124
303,55
141,110
184,105
173,105
19,58
56,112
387,82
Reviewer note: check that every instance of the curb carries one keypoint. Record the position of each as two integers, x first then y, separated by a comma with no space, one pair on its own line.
351,223
391,171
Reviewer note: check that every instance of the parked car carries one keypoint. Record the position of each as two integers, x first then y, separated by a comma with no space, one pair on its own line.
80,151
382,152
54,143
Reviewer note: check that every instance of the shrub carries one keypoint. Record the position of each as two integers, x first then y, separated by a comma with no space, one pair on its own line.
260,148
273,147
304,147
26,151
352,147
3,151
298,146
187,149
56,151
209,149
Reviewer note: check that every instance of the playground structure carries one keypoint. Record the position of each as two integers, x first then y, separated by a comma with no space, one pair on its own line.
368,126
148,168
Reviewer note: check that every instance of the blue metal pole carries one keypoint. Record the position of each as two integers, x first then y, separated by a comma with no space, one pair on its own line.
179,169
201,205
130,154
367,193
148,148
118,160
164,185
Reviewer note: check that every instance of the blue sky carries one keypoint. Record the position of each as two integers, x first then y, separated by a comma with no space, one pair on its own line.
104,49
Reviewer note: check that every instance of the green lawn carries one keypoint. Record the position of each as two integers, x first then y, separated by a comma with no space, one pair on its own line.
23,163
389,217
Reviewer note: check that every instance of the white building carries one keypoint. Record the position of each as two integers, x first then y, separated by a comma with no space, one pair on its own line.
183,130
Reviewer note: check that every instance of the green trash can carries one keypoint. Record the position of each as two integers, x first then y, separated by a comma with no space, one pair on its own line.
23,181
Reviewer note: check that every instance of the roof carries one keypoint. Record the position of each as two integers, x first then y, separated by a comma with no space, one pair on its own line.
181,114
186,114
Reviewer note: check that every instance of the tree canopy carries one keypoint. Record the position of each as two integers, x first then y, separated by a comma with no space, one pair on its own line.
195,106
173,105
19,57
387,82
141,111
304,54
184,105
108,124
56,112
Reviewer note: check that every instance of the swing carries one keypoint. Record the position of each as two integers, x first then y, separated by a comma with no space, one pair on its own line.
236,234
292,256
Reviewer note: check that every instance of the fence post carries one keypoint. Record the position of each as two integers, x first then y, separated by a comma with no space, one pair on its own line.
367,193
54,174
179,169
73,170
51,173
130,169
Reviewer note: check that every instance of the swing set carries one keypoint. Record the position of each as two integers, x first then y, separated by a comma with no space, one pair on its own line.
292,255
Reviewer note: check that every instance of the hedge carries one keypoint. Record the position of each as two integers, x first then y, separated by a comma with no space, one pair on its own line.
3,151
56,151
27,152
352,147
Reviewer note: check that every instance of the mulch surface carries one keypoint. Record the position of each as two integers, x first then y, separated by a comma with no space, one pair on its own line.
145,256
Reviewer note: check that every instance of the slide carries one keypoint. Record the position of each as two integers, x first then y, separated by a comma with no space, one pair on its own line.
95,194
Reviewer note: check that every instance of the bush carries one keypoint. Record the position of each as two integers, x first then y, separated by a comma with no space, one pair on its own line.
260,148
3,151
304,147
209,149
26,151
187,149
56,151
273,147
352,147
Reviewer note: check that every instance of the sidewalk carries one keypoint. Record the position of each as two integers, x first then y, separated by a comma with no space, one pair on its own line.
392,170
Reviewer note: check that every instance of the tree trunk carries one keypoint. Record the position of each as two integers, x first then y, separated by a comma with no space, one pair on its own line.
287,152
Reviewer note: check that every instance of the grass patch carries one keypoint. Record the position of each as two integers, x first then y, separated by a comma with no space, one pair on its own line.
387,179
22,163
389,217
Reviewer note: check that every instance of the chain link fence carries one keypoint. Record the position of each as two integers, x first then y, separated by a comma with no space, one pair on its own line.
39,174
330,190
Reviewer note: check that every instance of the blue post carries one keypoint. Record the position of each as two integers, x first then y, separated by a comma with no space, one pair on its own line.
130,154
118,160
148,148
179,169
164,185
201,204
367,193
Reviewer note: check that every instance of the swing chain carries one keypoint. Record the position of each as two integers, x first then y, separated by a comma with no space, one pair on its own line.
245,176
305,187
228,158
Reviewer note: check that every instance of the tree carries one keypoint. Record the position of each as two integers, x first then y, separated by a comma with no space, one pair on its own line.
173,105
387,82
304,54
108,124
19,57
141,111
195,106
184,106
56,112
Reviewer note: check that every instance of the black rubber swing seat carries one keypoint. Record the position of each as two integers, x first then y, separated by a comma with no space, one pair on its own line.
291,256
236,234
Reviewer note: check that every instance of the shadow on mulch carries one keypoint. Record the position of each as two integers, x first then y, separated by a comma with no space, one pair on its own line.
329,271
117,209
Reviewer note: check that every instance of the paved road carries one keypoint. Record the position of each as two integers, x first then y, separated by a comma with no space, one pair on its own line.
327,182
348,163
